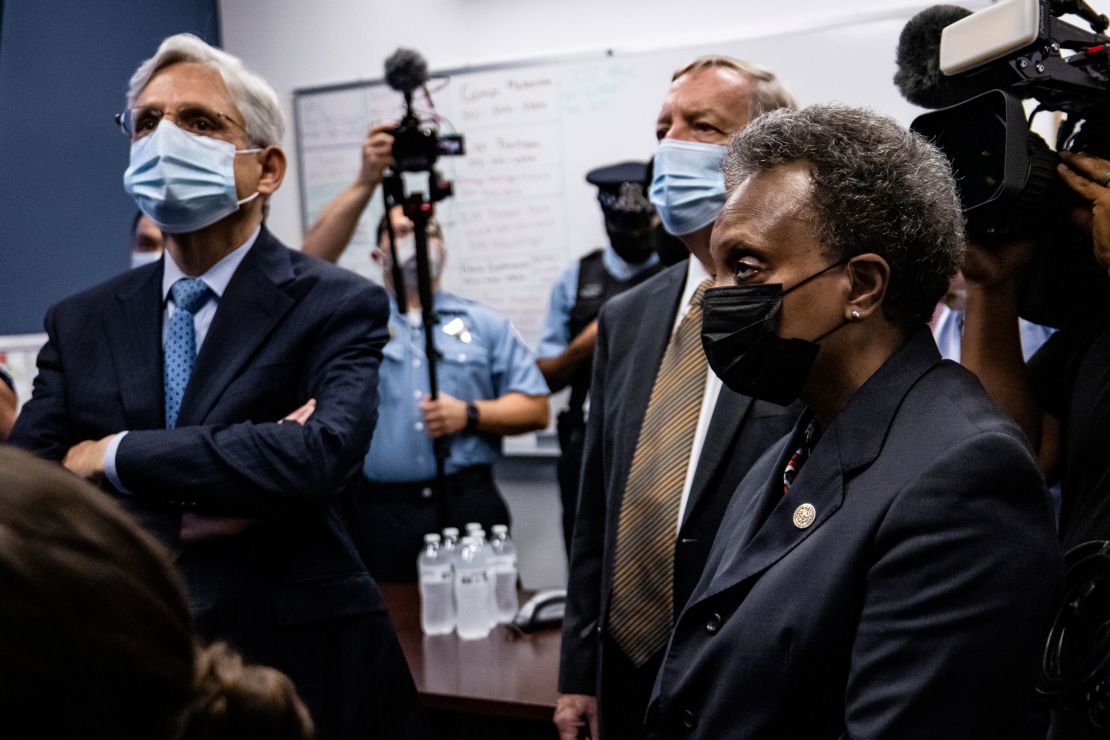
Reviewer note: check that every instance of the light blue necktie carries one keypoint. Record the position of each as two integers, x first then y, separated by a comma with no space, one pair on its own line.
180,349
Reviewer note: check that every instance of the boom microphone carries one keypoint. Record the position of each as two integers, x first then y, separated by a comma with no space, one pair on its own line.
919,77
406,70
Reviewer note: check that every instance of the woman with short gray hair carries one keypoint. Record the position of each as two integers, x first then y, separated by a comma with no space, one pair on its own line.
889,568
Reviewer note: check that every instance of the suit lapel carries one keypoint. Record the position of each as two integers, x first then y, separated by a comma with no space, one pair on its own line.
251,306
724,425
767,538
134,337
852,442
645,345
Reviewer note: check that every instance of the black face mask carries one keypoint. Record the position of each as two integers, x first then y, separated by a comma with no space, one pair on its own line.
738,331
634,247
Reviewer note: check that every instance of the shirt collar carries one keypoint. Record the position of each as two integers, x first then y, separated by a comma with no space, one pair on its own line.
441,301
622,270
217,276
696,274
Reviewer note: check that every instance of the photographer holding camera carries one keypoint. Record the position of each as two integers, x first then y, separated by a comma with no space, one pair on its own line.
1061,399
1023,200
488,381
336,224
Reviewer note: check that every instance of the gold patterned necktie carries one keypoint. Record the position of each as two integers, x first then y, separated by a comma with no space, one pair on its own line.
641,602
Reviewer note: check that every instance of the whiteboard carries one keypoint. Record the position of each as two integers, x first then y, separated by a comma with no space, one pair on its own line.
522,210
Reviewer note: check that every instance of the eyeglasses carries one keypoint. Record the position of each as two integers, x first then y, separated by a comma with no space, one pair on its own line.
196,119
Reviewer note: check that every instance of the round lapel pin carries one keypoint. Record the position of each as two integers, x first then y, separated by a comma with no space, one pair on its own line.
804,516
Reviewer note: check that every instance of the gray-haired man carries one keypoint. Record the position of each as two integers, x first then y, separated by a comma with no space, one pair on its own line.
223,394
665,444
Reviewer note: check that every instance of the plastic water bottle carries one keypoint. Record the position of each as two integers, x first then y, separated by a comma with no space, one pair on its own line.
451,544
437,605
451,551
472,592
503,573
487,554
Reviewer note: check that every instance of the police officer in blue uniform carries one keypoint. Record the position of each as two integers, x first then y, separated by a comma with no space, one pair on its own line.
488,382
570,331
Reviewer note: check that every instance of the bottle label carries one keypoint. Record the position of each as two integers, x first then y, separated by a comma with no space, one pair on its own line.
472,579
435,575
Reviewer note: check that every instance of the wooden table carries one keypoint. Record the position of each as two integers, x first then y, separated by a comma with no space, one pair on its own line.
497,687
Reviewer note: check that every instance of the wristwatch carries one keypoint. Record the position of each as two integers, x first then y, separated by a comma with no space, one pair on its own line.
471,416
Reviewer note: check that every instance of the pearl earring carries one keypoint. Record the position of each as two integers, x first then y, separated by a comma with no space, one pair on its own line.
854,316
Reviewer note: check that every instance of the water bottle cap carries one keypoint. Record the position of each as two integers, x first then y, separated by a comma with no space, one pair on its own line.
500,528
451,532
470,541
431,537
471,526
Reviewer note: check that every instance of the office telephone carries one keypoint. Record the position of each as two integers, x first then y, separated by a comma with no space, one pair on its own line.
544,609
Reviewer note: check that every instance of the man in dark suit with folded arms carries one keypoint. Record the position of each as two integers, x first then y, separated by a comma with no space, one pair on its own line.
665,443
225,393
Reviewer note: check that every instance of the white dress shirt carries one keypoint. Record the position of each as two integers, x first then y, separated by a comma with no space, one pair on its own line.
216,278
695,274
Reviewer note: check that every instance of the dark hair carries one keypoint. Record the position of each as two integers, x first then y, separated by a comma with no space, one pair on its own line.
238,701
96,641
877,187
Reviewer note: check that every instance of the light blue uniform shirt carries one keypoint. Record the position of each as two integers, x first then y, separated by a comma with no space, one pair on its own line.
483,358
556,327
948,331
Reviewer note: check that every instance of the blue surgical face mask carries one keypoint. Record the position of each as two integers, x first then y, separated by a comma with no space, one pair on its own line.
688,187
183,181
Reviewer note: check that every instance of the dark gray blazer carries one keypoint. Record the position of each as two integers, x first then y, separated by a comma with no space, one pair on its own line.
633,332
915,604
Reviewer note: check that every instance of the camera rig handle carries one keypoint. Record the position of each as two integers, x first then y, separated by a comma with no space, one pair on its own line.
393,190
415,149
420,211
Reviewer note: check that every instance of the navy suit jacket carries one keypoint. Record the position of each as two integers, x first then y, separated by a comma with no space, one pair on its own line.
633,331
912,605
288,328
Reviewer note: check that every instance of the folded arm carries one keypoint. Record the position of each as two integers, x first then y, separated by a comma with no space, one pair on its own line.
260,469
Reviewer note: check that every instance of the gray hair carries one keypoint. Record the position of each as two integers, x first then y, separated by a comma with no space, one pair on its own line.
877,188
256,100
768,93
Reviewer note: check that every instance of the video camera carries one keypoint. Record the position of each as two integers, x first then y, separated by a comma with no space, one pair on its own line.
983,66
417,144
977,68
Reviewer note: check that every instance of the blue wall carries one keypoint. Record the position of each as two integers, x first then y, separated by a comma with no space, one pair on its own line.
64,66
